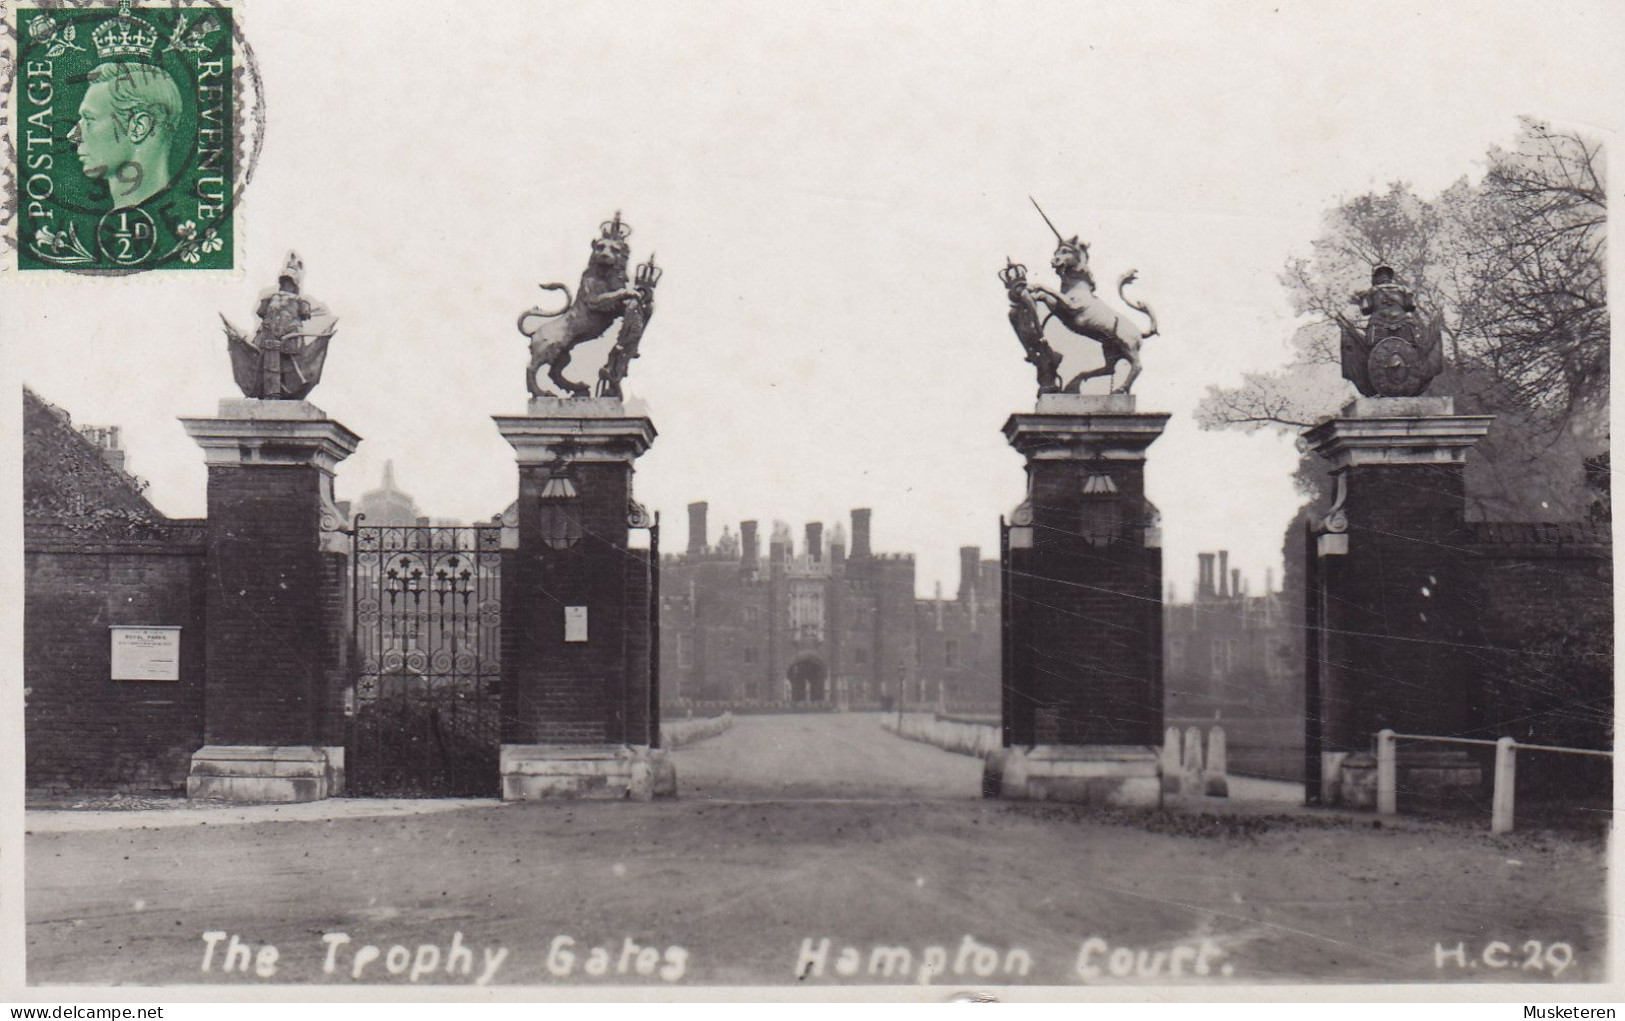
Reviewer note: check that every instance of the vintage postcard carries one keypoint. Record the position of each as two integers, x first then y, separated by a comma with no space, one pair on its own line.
917,501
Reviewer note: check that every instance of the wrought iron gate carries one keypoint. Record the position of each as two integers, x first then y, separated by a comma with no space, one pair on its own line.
426,713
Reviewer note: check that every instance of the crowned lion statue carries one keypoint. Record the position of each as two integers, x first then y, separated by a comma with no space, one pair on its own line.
603,297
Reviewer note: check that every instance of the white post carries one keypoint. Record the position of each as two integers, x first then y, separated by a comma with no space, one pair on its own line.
1190,775
1170,761
1215,778
1387,774
1506,774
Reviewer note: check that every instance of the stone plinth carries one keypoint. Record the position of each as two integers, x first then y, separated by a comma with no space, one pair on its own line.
536,772
579,703
261,773
276,629
1083,615
586,407
1089,774
1394,604
1085,404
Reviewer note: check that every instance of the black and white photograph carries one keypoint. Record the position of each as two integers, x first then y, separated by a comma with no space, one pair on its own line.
911,501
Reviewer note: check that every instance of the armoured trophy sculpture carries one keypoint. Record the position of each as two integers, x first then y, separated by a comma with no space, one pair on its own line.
1394,354
283,360
1079,310
603,297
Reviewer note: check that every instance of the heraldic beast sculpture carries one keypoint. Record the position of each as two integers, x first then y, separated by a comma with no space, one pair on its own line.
603,297
1079,310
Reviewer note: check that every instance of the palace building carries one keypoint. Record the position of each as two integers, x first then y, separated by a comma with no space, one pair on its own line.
831,625
1230,658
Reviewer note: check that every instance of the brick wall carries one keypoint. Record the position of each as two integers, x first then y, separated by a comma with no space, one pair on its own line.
1086,625
893,642
1086,617
86,732
338,641
1436,625
558,692
643,717
1398,608
962,657
267,634
1544,624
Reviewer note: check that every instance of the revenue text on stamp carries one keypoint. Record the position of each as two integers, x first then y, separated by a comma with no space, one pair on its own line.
126,138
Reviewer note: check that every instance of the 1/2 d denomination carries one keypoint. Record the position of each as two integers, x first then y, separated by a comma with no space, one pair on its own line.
126,138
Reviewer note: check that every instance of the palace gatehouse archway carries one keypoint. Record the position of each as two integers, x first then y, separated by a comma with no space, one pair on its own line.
808,680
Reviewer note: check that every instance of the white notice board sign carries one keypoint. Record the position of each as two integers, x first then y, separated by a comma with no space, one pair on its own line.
575,623
146,653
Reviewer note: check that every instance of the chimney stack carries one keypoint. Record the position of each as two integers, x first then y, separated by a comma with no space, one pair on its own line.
1235,582
969,557
1269,581
747,542
860,534
106,439
778,548
1224,573
696,527
1204,575
815,541
837,544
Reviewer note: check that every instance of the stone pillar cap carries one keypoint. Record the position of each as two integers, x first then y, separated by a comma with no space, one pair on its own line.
250,431
1392,431
1107,433
542,439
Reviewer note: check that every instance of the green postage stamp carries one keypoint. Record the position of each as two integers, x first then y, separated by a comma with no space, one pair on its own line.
126,137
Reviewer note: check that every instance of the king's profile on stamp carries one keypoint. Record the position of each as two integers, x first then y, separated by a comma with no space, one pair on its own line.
127,142
126,126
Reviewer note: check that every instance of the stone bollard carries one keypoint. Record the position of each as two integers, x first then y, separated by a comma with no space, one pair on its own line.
641,786
1190,774
665,777
1215,782
1170,761
1387,773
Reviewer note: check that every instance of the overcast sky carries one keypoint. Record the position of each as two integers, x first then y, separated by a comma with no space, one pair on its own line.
831,188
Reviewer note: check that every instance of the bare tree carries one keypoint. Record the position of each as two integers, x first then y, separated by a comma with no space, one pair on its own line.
1534,270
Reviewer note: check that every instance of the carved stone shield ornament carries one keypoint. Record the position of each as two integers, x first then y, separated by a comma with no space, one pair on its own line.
1395,367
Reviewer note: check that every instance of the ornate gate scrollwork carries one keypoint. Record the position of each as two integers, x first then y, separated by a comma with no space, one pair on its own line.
426,717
